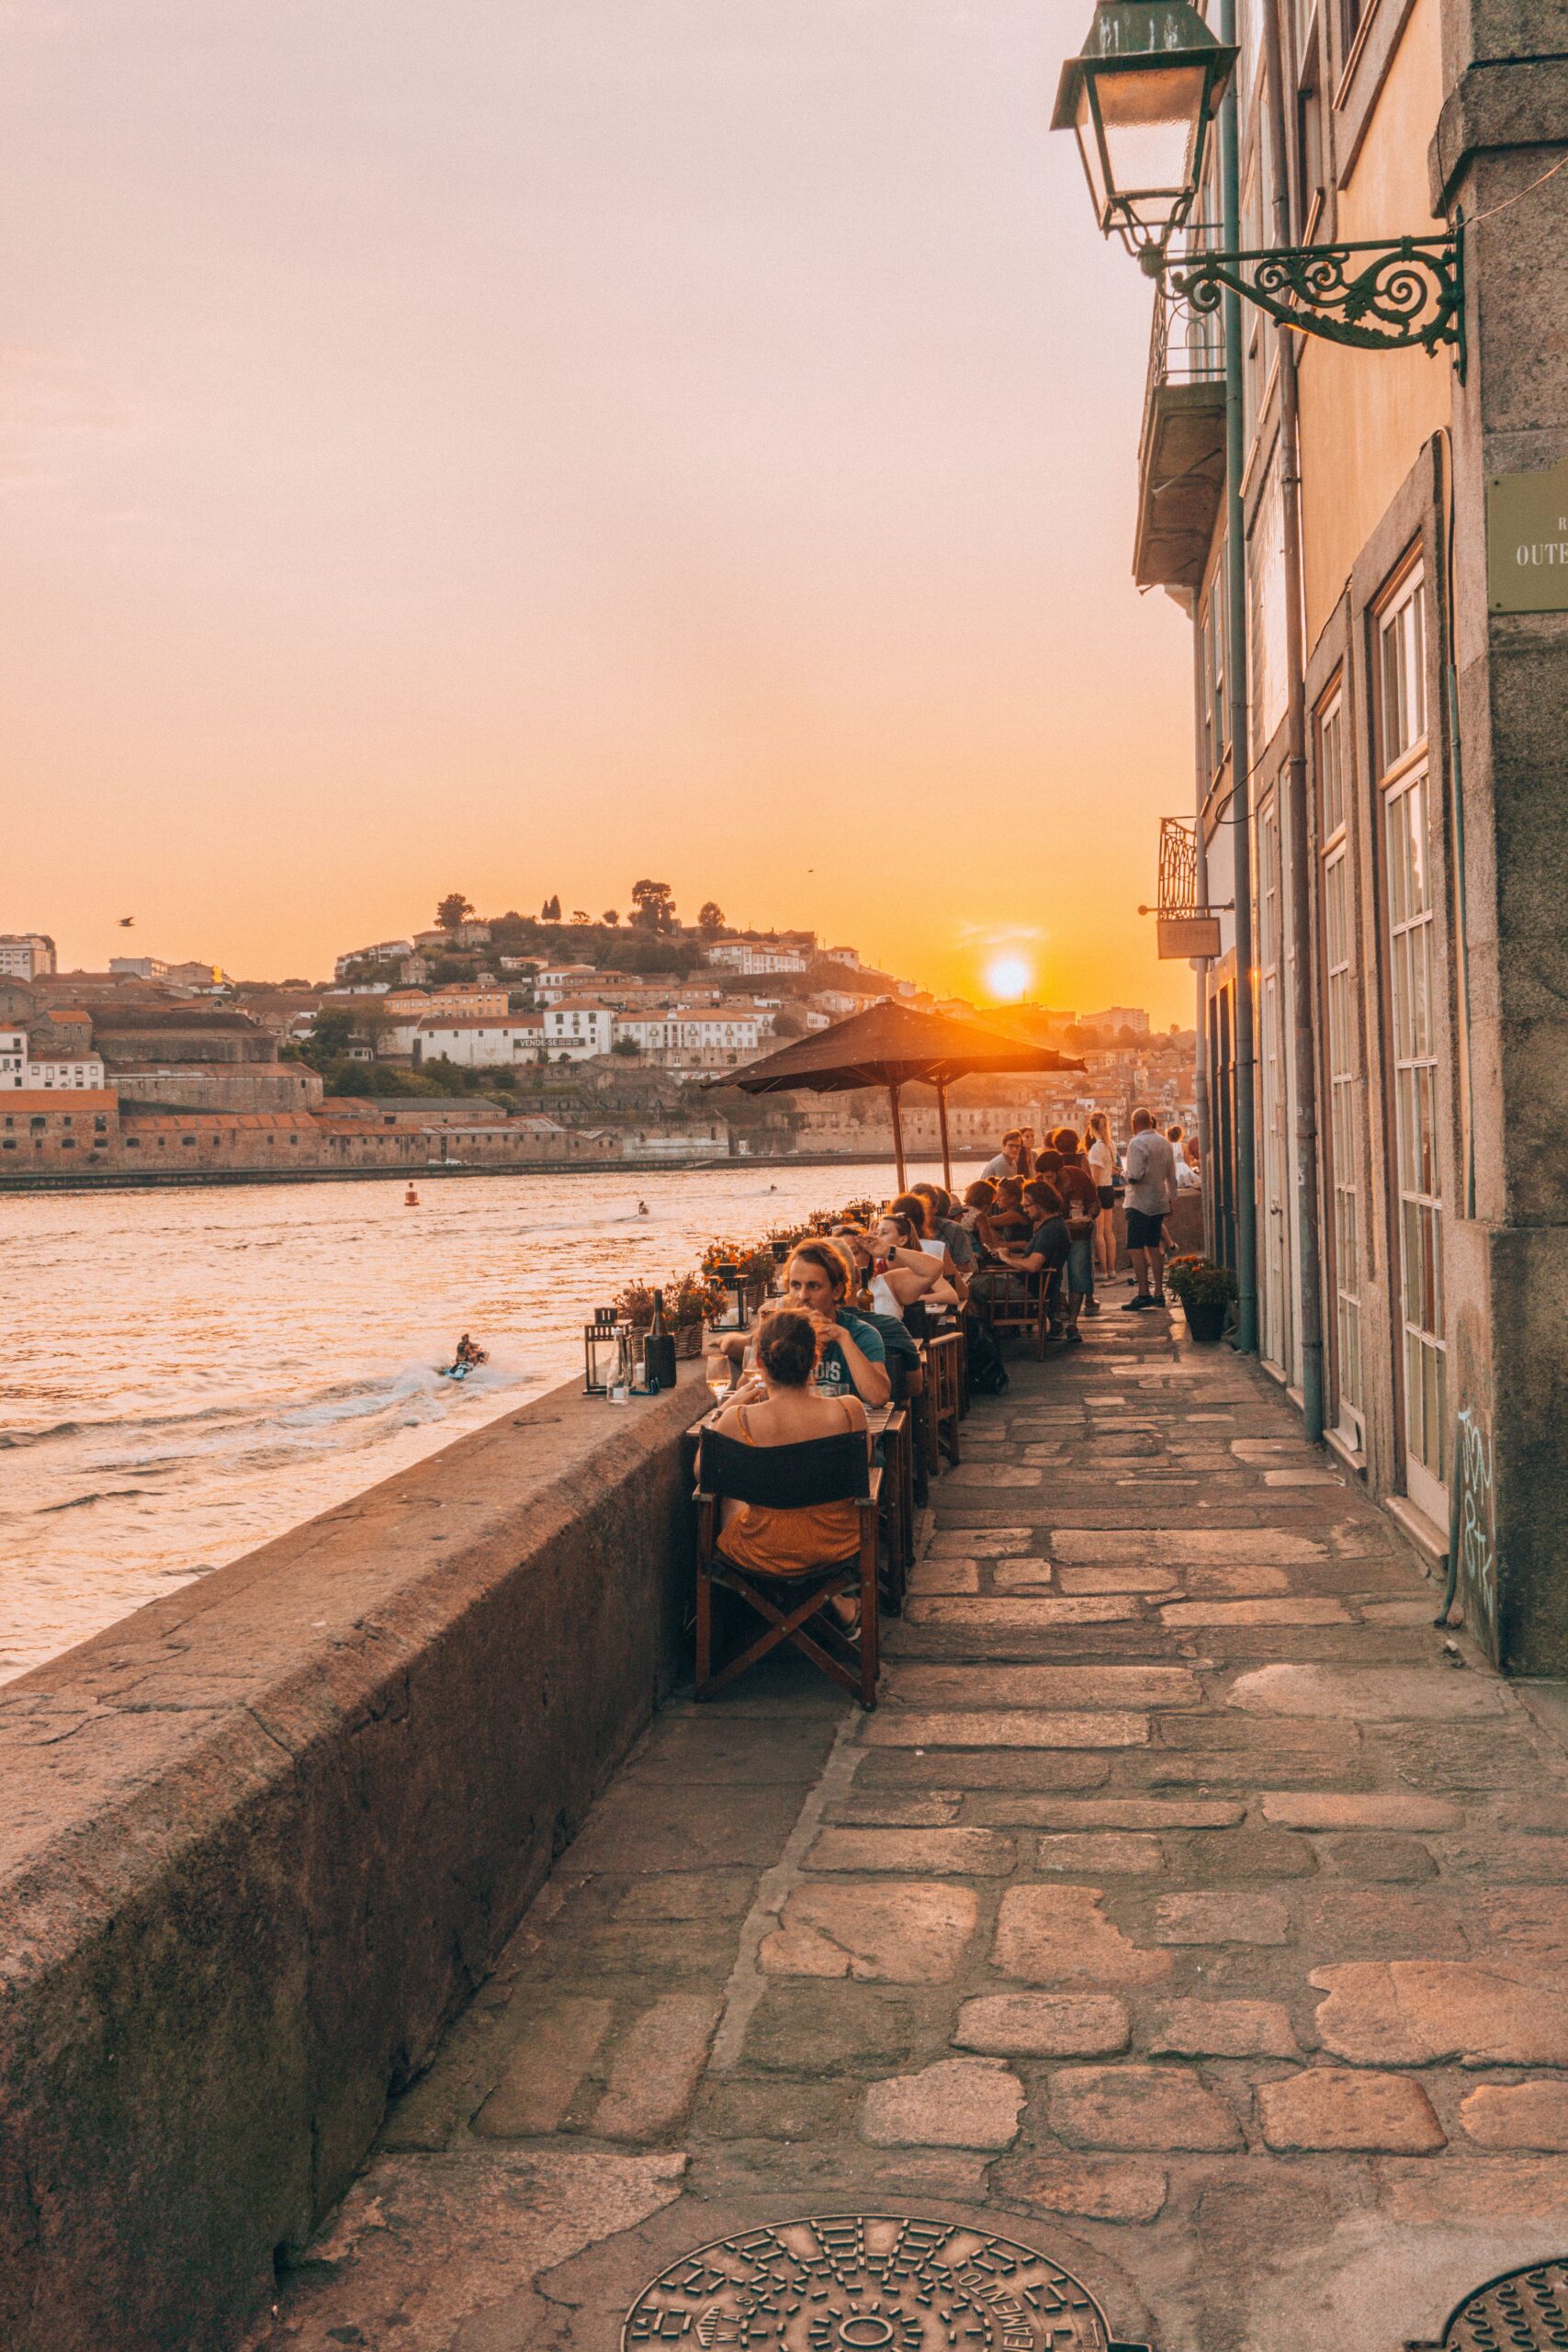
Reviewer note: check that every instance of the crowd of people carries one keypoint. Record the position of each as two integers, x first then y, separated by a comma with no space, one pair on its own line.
876,1287
854,1302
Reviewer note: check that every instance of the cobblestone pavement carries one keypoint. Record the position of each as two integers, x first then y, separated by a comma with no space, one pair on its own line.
1188,1910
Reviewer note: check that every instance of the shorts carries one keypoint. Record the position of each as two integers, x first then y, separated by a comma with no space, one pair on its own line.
1080,1268
1144,1232
1107,1195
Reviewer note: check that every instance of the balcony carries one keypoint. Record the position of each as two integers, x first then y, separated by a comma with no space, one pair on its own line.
1182,452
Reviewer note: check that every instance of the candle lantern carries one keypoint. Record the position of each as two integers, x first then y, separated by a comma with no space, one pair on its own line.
600,1351
737,1319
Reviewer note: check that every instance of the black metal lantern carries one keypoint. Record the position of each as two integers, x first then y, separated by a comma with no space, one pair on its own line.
600,1351
1140,97
734,1281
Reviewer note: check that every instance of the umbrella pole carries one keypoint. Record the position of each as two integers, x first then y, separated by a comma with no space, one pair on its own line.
946,1151
898,1136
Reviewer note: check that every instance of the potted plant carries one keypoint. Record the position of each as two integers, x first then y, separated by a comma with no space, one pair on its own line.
688,1302
1205,1291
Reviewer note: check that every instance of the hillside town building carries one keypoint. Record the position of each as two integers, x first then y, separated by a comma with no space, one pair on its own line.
477,1041
751,956
26,954
386,951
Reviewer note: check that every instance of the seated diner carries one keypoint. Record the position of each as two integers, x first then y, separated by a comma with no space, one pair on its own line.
918,1211
787,1406
1045,1252
853,1358
1007,1219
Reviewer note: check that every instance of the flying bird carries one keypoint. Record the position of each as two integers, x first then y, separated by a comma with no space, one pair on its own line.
127,922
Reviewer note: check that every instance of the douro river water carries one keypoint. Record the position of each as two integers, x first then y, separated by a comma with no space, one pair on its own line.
188,1374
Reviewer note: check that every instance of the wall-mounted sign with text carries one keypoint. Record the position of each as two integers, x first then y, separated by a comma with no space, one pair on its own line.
1527,541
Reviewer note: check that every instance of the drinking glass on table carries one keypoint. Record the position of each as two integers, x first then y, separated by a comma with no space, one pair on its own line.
719,1373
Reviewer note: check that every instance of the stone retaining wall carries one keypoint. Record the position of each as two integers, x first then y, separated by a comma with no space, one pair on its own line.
260,1841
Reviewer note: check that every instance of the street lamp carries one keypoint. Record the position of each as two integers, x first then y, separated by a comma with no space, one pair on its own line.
1140,97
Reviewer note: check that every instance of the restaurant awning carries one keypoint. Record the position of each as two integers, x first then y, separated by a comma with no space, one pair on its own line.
892,1044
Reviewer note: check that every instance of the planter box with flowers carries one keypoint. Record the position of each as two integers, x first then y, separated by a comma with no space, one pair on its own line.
1205,1291
688,1302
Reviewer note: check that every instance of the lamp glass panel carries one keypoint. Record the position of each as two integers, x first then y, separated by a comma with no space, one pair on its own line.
1088,128
1150,123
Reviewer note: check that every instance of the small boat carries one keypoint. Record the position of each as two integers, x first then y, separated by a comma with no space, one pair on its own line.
454,1371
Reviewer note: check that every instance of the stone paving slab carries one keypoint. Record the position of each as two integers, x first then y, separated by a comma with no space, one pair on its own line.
1187,1909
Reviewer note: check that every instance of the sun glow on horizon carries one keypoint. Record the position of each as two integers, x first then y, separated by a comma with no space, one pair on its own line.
1008,978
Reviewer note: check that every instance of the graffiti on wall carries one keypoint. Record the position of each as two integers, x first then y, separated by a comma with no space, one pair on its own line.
1476,1523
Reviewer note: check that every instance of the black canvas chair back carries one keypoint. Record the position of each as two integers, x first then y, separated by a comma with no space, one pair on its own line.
786,1477
793,1608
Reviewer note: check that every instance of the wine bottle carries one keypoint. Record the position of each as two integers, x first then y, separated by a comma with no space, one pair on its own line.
659,1350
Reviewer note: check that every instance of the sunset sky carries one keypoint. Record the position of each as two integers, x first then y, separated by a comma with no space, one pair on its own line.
517,445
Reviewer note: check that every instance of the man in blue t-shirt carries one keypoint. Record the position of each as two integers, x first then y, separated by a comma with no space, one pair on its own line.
854,1361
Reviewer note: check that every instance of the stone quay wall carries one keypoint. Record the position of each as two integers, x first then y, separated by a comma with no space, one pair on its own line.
262,1839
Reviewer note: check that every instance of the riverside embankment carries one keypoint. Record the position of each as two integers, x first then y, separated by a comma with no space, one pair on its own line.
264,1837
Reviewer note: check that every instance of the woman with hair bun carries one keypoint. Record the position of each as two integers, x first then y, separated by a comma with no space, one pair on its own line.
792,1410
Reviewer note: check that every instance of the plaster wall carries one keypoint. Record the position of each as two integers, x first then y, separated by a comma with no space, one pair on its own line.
261,1840
1365,415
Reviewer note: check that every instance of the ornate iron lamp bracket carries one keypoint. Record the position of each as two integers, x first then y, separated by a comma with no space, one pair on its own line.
1409,295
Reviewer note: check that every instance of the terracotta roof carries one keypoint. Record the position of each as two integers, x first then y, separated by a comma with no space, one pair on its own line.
295,1122
59,1098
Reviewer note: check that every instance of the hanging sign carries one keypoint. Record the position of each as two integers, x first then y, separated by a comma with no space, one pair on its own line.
1182,937
1527,541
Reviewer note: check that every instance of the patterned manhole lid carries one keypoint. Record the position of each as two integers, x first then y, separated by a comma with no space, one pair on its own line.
868,2282
1525,2310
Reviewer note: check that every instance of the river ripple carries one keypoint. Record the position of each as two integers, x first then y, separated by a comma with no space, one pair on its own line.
188,1375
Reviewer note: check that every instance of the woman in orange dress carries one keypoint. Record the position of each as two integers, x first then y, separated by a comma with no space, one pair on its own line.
781,1406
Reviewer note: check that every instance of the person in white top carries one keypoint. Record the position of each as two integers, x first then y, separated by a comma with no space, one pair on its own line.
1102,1167
1186,1174
1150,1167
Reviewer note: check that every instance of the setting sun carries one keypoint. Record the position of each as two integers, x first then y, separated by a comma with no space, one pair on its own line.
1007,978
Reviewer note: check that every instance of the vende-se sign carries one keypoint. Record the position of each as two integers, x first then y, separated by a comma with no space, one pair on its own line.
1527,541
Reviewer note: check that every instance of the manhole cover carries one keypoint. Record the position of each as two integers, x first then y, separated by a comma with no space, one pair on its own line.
1525,2310
868,2282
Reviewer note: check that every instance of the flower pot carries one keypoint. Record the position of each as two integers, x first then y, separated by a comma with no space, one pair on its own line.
688,1338
1206,1319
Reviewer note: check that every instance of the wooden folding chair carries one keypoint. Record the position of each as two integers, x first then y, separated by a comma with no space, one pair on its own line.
914,1378
944,1392
1014,1301
790,1477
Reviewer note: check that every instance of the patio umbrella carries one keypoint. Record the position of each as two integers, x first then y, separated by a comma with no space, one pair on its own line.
893,1046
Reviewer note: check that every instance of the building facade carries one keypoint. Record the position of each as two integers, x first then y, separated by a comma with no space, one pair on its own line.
26,954
476,1041
751,957
1380,683
576,1028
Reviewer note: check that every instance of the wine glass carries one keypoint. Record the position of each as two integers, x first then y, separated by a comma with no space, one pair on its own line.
718,1373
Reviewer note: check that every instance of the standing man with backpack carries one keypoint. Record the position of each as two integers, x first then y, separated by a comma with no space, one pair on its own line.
1150,1166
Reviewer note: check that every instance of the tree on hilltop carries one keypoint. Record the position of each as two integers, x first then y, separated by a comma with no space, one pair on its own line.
655,907
710,918
551,910
580,915
453,910
612,917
